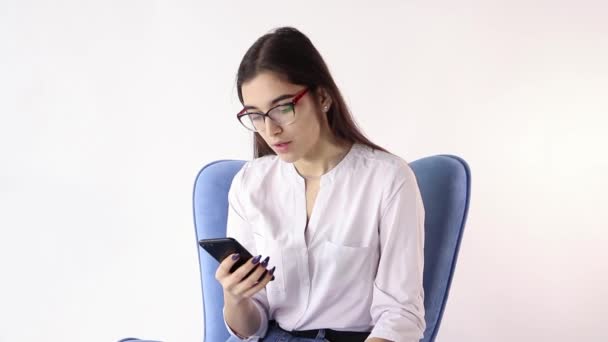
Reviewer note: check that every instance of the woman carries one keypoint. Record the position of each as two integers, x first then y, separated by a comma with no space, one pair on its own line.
340,219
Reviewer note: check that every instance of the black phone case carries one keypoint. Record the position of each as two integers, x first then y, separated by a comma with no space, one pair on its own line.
221,248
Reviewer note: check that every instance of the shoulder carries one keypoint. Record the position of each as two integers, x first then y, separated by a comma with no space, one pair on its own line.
392,175
381,163
254,170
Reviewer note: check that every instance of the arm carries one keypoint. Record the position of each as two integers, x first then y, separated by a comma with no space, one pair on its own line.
243,317
398,295
248,317
377,339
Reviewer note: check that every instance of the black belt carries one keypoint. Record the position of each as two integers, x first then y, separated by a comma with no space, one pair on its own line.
331,335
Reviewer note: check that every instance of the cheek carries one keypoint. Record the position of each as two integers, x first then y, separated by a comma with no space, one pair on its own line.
304,131
310,124
315,127
264,137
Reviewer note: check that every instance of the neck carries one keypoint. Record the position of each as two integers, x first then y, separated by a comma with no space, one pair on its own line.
324,156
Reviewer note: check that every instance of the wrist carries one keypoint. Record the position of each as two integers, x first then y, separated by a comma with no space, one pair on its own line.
230,300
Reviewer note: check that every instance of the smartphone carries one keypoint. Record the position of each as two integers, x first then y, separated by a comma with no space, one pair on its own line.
222,248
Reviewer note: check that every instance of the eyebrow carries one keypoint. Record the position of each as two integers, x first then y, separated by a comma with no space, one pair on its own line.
273,102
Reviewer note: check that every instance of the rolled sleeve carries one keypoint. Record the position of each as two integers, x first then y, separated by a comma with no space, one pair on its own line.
397,308
238,228
262,330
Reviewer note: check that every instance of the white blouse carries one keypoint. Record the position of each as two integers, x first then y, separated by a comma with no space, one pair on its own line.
358,266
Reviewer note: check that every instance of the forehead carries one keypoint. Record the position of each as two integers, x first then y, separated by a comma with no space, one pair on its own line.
265,87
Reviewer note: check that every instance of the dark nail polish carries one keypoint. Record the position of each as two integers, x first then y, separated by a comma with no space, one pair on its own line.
236,256
271,279
271,271
256,259
265,262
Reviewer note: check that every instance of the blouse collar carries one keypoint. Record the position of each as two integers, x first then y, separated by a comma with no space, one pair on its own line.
293,176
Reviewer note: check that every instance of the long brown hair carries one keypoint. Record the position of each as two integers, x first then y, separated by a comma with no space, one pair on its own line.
289,53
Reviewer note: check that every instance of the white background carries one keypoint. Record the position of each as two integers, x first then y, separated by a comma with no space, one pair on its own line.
108,109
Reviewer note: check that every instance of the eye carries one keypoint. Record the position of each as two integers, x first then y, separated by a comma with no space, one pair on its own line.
256,117
286,108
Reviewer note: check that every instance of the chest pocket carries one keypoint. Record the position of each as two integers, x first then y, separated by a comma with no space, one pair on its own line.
271,248
352,265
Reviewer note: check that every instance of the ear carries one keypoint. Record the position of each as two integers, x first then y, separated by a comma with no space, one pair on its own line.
324,100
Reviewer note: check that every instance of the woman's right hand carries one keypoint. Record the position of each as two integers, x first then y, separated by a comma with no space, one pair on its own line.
237,285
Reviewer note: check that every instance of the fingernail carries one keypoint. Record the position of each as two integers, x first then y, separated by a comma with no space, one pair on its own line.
236,256
271,279
256,259
271,271
265,262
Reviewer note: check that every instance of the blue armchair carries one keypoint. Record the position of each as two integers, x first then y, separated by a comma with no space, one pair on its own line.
445,185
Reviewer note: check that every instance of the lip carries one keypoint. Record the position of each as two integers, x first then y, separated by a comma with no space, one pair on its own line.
282,148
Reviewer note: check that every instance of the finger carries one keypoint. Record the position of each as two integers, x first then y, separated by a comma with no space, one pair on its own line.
233,279
267,274
244,270
250,280
264,263
259,286
226,264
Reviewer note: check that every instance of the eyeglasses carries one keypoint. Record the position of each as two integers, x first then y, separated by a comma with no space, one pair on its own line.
282,115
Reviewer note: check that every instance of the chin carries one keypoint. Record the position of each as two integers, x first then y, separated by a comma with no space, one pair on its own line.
288,158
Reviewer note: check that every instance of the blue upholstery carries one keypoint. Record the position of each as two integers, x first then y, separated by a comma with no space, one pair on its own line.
445,185
210,215
444,182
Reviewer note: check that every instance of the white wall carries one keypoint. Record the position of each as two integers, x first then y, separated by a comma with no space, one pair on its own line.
109,108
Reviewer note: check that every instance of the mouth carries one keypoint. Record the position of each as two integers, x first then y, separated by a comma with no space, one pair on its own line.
282,147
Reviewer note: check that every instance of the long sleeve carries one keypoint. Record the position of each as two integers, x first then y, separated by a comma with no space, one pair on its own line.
397,308
239,228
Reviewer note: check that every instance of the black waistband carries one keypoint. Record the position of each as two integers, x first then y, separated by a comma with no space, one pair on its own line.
331,335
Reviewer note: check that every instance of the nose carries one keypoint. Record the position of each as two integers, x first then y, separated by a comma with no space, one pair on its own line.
271,127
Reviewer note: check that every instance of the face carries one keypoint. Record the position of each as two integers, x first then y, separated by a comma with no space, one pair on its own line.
267,90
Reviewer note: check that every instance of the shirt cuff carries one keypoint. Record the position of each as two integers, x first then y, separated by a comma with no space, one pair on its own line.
262,330
391,336
397,330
